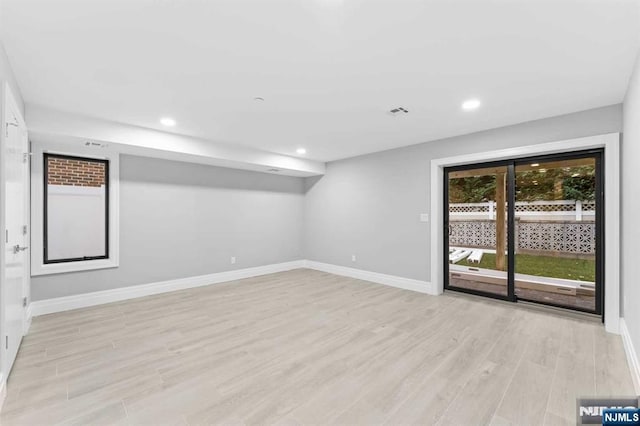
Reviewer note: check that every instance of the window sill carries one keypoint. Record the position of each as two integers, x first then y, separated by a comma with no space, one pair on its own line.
61,268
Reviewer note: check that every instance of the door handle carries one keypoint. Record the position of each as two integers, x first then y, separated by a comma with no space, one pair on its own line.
17,249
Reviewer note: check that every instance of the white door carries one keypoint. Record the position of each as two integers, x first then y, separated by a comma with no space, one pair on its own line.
15,148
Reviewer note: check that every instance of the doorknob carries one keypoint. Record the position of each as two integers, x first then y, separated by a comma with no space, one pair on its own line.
17,249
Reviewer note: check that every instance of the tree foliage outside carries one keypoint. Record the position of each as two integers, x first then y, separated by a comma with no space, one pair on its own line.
567,183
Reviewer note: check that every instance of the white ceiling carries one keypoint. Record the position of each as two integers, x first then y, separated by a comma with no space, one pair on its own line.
329,70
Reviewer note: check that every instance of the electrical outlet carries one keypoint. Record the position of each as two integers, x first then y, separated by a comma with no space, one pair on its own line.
233,260
424,217
353,257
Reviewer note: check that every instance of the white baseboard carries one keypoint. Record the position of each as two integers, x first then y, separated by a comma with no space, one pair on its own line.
390,280
632,355
27,319
3,390
60,304
77,301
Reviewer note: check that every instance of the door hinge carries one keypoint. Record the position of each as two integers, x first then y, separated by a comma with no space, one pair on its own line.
24,229
6,342
24,302
6,235
6,129
25,156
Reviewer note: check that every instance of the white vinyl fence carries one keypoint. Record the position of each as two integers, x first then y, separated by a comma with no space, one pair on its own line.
76,221
531,210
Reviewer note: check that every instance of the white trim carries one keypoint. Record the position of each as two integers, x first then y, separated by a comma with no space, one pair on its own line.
390,280
632,355
37,265
61,304
3,390
27,320
611,144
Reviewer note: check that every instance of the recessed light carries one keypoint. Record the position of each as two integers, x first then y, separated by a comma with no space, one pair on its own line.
258,99
301,151
535,164
470,104
169,122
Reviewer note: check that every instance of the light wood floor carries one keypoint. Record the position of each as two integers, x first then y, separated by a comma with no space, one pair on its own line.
306,347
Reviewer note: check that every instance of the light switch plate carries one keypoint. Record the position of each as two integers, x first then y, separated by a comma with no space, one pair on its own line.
424,217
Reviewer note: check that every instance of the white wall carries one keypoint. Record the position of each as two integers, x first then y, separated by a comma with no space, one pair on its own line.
6,75
369,206
630,206
181,220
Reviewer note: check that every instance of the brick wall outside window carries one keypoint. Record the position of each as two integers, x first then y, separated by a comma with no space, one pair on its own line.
70,172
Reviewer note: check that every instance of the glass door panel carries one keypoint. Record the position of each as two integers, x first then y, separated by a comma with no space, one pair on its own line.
477,222
555,231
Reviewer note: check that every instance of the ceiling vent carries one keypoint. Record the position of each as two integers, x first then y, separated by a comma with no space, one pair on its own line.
399,111
96,144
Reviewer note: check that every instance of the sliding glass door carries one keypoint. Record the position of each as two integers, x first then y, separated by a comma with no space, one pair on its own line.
528,229
557,213
478,228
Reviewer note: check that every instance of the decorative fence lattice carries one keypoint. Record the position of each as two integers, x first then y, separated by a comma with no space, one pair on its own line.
562,237
476,233
469,208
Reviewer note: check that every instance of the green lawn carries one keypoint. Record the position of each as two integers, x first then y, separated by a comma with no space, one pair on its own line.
544,266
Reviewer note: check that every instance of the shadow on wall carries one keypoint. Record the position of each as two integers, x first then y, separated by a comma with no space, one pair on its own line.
310,182
165,172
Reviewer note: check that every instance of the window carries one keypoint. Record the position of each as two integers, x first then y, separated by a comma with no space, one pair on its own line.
76,206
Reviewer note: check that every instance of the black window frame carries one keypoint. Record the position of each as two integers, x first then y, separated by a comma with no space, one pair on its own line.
45,241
